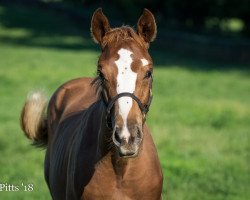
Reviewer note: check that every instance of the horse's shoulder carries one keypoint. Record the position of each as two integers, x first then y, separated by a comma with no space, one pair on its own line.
73,96
73,85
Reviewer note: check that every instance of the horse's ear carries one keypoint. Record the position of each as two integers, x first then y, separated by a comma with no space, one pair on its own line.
146,26
99,26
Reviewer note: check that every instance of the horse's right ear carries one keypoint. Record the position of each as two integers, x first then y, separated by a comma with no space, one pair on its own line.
99,26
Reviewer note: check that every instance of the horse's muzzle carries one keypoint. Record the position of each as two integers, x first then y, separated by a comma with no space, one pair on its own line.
129,146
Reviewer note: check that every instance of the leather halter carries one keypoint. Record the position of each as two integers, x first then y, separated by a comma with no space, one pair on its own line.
144,108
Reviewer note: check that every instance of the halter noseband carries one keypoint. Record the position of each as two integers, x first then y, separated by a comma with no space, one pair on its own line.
144,108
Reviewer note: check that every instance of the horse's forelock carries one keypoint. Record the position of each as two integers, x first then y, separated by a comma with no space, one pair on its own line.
121,34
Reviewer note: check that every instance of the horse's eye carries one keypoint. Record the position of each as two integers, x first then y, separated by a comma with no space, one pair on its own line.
148,74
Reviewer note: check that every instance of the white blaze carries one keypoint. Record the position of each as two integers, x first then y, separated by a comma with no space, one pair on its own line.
126,80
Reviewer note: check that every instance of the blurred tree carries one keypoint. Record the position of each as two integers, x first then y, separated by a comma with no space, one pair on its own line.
192,15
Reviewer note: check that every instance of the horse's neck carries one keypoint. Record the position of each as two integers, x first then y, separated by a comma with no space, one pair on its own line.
120,165
104,134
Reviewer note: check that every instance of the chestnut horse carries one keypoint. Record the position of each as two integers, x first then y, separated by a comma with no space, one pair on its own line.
98,144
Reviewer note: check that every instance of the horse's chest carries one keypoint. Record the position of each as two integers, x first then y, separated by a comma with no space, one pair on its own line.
106,185
111,190
94,193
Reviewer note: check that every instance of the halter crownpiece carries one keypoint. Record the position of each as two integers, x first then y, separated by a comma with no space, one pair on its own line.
144,108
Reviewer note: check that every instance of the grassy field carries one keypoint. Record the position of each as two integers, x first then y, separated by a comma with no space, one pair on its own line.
200,116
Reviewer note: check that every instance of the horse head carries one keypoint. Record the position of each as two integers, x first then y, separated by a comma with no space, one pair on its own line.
125,76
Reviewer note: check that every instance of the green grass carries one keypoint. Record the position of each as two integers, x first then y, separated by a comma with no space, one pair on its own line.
200,116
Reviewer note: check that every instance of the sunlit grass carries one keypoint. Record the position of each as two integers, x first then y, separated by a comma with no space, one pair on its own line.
200,121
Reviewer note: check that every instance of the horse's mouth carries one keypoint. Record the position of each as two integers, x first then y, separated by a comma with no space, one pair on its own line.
128,155
132,152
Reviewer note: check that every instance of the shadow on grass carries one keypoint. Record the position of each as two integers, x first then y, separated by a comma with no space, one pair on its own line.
172,59
43,26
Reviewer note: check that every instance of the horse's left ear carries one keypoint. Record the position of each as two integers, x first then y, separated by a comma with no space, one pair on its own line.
146,26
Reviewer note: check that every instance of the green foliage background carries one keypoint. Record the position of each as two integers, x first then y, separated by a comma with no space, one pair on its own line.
199,117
